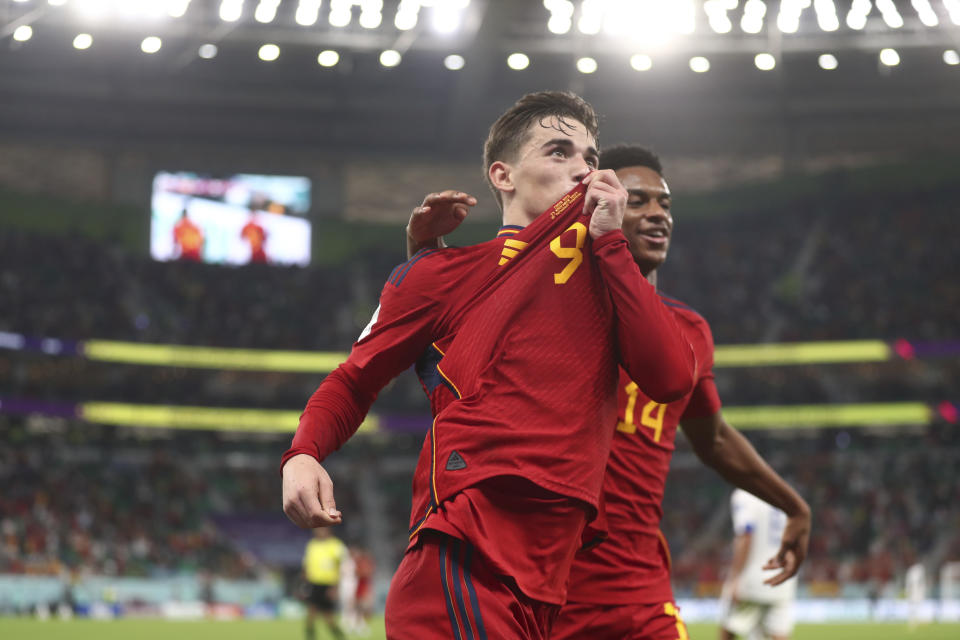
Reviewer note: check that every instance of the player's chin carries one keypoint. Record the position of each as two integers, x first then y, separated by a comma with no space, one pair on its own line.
649,259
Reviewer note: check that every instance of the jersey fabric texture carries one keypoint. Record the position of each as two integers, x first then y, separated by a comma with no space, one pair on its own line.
518,339
633,564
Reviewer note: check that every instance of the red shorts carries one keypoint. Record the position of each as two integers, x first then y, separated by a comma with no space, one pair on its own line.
444,590
579,620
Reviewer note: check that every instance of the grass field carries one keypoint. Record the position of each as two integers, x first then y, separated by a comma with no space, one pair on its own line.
19,629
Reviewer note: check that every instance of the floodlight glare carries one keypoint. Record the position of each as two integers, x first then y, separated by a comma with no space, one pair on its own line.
390,58
23,33
699,64
60,3
827,61
518,61
925,12
641,62
454,62
231,10
269,52
889,13
307,13
151,44
951,57
953,8
207,51
328,58
559,25
82,41
586,65
175,8
889,57
266,11
765,61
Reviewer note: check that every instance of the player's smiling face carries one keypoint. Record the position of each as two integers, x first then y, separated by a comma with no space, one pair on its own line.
647,222
557,155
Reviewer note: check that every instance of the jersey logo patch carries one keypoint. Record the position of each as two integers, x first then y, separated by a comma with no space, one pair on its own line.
511,247
456,462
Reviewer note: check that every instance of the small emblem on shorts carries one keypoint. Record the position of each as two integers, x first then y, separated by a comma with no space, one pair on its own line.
456,462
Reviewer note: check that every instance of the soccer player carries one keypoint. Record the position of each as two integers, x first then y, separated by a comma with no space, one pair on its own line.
322,561
752,606
621,588
254,233
519,340
188,238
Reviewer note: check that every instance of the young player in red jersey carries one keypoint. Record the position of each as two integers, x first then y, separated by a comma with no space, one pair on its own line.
620,589
520,338
188,238
256,236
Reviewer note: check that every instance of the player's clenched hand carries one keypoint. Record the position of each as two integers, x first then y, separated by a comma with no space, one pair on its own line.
793,549
308,494
438,215
606,200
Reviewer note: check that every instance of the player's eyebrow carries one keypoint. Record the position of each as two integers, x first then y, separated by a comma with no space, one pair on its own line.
657,193
567,142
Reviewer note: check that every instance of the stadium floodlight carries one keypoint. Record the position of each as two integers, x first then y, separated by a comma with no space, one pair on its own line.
889,13
765,61
308,12
231,10
23,33
371,14
788,20
827,61
561,15
408,14
699,64
328,58
91,9
151,44
591,17
827,18
266,11
82,41
269,52
60,3
518,61
207,51
454,62
953,9
717,17
857,16
390,58
925,13
889,57
586,65
175,8
641,62
754,11
447,16
951,57
341,13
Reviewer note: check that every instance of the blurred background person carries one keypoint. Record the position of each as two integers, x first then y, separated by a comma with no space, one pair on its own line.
322,567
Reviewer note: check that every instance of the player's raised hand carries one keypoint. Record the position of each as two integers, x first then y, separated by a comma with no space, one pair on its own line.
308,494
606,200
793,549
439,214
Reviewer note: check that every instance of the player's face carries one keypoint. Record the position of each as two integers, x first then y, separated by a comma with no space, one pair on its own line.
647,222
558,154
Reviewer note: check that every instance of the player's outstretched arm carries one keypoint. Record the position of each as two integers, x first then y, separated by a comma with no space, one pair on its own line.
728,452
308,494
438,214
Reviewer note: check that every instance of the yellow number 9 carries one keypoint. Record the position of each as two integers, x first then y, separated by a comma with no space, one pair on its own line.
573,254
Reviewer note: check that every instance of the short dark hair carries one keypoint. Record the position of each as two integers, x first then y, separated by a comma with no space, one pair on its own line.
511,130
630,155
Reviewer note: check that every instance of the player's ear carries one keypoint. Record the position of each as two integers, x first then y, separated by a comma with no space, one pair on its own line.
501,176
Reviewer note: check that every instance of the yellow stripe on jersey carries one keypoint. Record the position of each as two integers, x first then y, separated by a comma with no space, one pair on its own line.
511,247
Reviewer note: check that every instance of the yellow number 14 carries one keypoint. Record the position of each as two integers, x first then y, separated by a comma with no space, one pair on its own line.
651,415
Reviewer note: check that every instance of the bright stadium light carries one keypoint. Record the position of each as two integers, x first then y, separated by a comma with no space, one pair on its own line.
764,61
60,3
826,15
266,11
207,51
447,16
308,12
925,13
951,57
857,16
23,33
231,10
341,13
371,14
151,44
328,58
699,64
641,62
82,41
827,61
176,8
889,57
390,58
91,9
518,61
716,11
269,52
408,12
591,17
953,9
788,20
888,10
586,65
754,11
454,62
561,15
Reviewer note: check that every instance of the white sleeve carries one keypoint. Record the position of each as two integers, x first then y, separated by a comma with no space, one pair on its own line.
744,515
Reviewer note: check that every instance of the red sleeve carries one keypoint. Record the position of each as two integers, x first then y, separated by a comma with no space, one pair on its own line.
704,401
653,349
401,328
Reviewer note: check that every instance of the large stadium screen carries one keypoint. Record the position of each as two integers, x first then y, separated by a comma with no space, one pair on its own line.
238,219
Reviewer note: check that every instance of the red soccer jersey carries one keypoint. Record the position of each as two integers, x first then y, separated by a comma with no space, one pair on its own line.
257,237
526,333
189,237
632,566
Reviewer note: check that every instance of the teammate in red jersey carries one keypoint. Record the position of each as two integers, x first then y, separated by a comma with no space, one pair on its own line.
188,238
620,589
520,338
256,236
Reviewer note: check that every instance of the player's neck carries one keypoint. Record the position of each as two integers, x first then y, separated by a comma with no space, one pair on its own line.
652,277
515,216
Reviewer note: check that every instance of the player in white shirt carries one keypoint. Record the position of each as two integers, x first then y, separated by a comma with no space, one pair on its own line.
752,608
